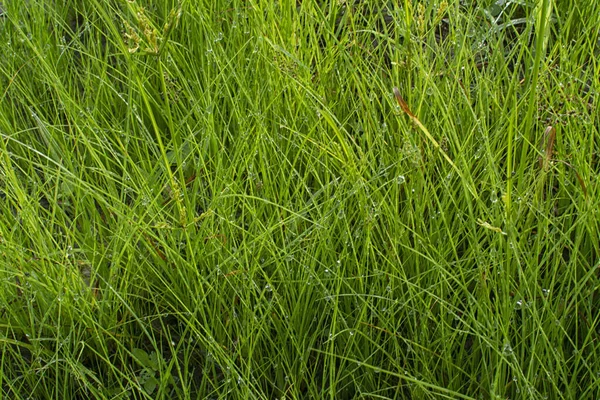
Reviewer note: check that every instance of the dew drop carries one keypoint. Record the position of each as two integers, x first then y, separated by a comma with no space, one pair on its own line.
507,349
519,305
494,197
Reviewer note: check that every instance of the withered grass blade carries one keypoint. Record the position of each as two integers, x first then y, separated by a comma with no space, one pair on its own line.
547,147
579,178
402,103
430,137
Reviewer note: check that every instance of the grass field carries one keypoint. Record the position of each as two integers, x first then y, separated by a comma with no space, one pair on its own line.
228,199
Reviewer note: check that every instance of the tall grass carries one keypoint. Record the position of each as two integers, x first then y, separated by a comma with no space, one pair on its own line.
211,199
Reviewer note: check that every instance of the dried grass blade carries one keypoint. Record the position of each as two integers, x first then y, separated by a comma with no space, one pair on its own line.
403,104
547,148
428,135
579,178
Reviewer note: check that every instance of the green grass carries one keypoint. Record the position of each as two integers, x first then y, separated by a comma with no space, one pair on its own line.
223,199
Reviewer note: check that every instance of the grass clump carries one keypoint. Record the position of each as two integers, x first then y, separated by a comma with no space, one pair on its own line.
210,199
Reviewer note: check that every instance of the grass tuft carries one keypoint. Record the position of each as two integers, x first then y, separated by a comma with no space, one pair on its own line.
210,199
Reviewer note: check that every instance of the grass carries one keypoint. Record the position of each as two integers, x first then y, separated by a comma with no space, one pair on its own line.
225,199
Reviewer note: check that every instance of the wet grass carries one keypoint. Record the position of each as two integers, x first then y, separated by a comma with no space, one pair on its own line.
215,199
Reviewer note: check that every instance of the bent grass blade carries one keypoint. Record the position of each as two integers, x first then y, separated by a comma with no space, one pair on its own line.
417,122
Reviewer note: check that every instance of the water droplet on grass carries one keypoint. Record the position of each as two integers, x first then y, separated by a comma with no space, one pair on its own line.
519,305
494,197
507,350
